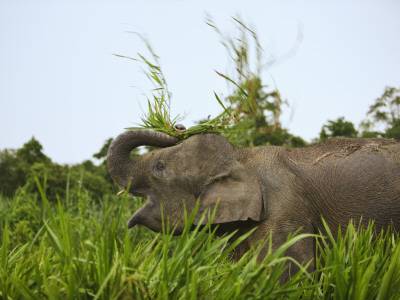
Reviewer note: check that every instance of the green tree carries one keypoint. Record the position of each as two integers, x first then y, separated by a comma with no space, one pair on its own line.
18,168
385,112
340,127
31,152
393,132
12,172
256,108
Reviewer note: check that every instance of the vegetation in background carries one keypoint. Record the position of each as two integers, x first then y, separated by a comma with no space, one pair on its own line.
385,111
383,121
340,127
18,169
255,108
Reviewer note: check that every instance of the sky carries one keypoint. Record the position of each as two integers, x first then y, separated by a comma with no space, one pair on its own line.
61,82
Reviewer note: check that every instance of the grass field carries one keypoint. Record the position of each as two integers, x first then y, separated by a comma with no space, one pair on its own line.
79,248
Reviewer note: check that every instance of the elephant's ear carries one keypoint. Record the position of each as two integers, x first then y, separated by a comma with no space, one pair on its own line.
239,195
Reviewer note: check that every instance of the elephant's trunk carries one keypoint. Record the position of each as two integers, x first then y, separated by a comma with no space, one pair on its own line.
119,162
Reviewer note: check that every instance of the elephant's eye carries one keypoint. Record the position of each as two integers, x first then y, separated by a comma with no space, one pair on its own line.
159,165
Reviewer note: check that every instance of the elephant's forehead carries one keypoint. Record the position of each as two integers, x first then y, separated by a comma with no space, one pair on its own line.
201,149
207,142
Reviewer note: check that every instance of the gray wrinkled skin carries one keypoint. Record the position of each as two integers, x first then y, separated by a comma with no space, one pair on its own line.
275,188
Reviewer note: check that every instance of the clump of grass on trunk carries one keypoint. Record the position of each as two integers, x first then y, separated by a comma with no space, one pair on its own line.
247,100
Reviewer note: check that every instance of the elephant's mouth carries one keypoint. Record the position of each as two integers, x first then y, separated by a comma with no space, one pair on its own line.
134,220
148,215
140,214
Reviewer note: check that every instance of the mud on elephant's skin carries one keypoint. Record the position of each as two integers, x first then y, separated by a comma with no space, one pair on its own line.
277,189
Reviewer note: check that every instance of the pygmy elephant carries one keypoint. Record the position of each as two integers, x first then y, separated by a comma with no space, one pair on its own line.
272,188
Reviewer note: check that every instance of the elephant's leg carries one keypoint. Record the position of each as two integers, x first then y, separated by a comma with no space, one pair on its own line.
302,251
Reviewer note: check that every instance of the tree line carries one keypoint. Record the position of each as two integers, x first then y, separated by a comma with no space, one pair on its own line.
22,167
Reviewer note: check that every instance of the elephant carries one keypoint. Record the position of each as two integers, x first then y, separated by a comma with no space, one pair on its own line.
268,188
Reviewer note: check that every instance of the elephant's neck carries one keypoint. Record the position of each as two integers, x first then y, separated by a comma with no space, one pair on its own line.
268,165
259,159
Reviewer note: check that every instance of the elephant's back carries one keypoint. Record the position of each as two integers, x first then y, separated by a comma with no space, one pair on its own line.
353,179
340,147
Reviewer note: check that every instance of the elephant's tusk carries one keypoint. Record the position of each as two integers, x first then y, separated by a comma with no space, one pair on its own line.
120,192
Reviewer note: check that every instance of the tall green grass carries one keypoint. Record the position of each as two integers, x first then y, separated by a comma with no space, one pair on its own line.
81,249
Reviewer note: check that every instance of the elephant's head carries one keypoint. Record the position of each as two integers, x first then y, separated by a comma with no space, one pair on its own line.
204,166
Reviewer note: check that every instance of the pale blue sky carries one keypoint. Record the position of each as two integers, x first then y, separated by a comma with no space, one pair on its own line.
60,82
